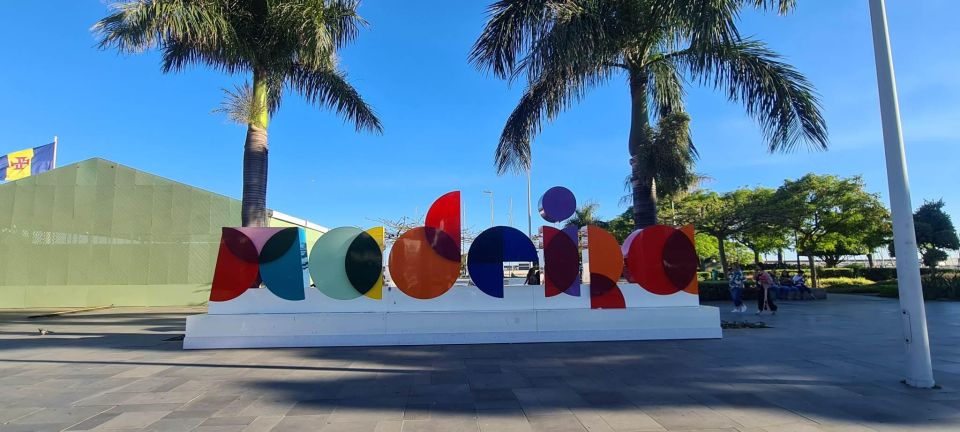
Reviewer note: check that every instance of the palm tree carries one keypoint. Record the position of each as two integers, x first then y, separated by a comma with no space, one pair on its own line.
284,45
566,47
585,215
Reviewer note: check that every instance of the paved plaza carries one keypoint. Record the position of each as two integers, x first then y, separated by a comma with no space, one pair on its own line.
830,365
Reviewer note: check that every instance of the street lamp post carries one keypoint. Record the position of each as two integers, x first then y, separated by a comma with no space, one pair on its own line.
491,206
529,207
914,319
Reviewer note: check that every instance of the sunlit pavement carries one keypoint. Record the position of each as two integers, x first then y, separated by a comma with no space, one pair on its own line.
831,365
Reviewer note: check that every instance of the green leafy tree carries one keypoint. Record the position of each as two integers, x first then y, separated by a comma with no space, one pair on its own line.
935,233
719,215
621,226
760,231
282,45
827,214
564,48
708,251
877,236
874,231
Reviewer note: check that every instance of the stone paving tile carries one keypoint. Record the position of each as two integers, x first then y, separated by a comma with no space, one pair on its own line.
444,425
499,422
9,414
69,415
313,407
133,420
145,407
37,427
93,422
168,424
300,423
354,426
268,406
830,365
556,423
228,421
263,424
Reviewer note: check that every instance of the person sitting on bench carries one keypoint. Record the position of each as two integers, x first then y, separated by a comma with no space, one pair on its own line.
786,288
800,281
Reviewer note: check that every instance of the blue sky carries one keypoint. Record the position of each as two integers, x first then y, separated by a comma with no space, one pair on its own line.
443,118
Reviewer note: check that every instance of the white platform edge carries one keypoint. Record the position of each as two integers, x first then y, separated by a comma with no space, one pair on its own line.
476,327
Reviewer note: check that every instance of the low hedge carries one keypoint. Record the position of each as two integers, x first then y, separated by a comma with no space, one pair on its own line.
849,281
839,272
720,291
941,288
878,274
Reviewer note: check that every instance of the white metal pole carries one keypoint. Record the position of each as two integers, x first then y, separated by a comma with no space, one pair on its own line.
491,206
492,223
914,319
529,207
54,163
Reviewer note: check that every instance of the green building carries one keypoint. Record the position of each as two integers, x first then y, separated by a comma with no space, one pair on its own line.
97,233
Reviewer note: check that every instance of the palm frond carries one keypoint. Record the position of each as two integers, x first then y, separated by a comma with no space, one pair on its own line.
778,96
314,29
699,23
178,54
668,156
588,36
546,98
667,92
135,27
239,105
514,26
782,7
330,88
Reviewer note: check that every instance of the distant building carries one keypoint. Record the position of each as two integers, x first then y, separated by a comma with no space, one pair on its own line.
98,233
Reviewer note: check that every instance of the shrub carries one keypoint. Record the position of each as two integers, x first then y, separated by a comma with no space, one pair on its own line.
847,281
940,271
879,274
935,287
887,291
839,272
720,290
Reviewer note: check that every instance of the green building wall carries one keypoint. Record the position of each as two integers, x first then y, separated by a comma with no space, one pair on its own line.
97,233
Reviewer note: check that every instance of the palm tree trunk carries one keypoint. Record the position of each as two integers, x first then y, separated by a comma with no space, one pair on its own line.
642,182
253,210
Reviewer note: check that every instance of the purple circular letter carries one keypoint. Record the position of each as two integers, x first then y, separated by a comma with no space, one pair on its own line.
557,204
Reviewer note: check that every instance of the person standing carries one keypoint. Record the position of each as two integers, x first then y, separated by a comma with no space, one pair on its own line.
736,288
533,276
764,297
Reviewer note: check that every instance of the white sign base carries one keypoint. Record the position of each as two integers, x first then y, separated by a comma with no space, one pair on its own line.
444,328
463,315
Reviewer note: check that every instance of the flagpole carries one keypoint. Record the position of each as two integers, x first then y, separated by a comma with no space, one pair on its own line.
919,369
54,152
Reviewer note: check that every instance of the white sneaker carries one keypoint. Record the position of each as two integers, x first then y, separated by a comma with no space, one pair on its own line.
735,310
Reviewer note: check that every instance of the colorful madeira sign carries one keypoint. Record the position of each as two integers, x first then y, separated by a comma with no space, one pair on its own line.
583,297
424,263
